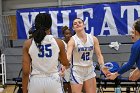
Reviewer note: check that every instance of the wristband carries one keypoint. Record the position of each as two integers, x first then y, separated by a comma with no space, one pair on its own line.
102,65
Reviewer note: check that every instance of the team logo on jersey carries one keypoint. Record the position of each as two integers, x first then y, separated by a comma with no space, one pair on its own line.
85,48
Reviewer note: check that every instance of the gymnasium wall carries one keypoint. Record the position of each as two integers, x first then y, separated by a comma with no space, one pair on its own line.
0,23
9,6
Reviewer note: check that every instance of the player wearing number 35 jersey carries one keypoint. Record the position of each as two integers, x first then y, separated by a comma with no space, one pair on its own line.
40,59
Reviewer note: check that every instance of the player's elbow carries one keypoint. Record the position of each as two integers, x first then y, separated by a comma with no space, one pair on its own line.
26,72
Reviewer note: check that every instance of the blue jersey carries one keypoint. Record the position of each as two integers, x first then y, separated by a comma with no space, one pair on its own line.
134,58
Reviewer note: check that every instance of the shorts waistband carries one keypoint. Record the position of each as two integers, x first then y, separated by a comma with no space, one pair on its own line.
44,75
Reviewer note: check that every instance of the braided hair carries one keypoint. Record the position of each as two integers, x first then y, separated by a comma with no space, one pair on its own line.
43,22
64,28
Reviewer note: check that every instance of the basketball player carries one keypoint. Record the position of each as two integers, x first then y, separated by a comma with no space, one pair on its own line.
80,52
134,75
40,59
134,57
66,79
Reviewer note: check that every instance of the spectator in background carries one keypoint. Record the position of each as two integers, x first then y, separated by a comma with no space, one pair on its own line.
41,53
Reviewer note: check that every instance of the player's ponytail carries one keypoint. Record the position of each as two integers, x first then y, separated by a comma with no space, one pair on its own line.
43,23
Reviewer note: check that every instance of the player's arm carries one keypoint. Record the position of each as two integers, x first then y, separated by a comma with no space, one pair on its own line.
70,47
62,55
25,65
134,75
98,51
132,59
99,56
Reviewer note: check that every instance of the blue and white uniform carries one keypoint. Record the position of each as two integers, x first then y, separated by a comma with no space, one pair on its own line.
82,60
44,75
134,58
66,77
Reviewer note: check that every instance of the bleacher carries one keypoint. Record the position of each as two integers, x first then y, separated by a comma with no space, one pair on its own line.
13,60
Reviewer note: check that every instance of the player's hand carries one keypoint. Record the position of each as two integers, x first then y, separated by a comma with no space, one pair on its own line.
62,72
105,70
112,76
134,75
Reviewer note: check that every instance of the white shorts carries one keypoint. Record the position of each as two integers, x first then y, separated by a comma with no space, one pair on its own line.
79,74
66,77
45,84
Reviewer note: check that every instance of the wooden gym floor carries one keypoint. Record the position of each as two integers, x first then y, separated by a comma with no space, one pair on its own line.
10,89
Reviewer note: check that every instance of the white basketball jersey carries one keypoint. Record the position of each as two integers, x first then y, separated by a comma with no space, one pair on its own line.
45,60
66,77
65,45
83,52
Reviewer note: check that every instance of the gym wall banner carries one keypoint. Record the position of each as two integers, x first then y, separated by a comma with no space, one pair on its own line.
100,19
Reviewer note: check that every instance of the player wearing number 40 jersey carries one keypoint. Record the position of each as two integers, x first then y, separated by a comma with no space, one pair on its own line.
80,53
41,53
